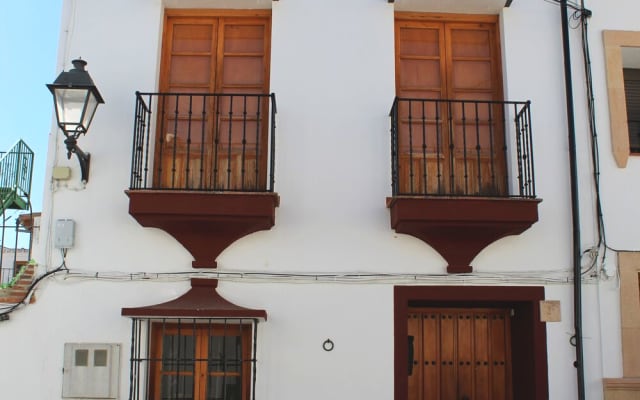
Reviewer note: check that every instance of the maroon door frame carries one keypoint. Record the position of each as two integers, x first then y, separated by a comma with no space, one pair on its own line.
528,333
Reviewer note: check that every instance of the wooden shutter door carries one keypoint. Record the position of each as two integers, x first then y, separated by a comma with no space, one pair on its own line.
460,354
242,125
421,74
473,73
183,133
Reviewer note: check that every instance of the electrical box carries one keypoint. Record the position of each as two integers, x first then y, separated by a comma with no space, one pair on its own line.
61,173
64,233
91,371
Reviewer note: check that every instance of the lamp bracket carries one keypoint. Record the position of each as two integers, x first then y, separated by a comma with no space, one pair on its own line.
83,158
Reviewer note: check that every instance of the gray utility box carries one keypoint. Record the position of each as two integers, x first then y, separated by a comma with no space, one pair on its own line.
91,371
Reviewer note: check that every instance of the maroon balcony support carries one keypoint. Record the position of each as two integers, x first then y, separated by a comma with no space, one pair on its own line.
205,223
459,228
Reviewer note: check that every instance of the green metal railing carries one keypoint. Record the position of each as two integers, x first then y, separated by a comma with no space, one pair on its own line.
16,168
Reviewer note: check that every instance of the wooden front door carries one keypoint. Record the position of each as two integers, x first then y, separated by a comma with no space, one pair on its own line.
452,143
213,142
459,354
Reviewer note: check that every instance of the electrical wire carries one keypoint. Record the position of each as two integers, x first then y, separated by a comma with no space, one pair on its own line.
583,16
4,312
561,276
572,5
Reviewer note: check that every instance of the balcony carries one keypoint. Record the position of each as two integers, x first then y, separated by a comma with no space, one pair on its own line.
462,174
202,168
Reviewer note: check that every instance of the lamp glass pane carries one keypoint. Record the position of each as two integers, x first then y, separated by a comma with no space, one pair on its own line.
92,104
70,107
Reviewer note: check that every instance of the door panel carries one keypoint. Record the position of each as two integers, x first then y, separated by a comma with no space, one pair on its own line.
473,74
183,140
500,373
447,344
465,376
421,74
431,374
481,357
415,347
243,125
460,354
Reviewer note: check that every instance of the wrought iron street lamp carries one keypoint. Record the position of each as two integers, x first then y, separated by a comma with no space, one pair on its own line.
75,98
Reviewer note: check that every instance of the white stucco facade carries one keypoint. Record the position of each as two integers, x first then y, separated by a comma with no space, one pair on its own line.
333,73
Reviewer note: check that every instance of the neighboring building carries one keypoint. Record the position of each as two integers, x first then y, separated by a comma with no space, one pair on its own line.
360,199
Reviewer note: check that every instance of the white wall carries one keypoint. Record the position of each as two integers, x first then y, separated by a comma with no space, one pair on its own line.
332,69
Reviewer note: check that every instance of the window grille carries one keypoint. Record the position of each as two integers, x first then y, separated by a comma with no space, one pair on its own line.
193,358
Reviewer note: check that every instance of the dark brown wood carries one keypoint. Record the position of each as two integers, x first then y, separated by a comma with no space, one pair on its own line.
201,301
528,333
205,223
459,228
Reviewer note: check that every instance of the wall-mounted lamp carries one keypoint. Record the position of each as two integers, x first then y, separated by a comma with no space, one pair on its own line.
75,98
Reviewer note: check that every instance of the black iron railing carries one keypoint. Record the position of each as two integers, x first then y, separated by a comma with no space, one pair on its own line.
461,148
204,141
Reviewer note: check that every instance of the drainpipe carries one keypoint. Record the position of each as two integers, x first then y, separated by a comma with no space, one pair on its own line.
575,210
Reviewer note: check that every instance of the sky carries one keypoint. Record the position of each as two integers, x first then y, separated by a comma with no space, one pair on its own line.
28,56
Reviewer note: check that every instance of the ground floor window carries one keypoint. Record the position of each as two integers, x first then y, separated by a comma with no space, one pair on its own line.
193,358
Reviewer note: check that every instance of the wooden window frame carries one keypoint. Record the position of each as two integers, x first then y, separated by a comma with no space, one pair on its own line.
202,331
613,43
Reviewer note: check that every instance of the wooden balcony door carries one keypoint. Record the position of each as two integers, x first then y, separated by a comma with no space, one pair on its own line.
445,147
213,142
459,354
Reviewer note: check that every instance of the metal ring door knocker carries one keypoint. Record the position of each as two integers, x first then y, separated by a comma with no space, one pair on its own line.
327,345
